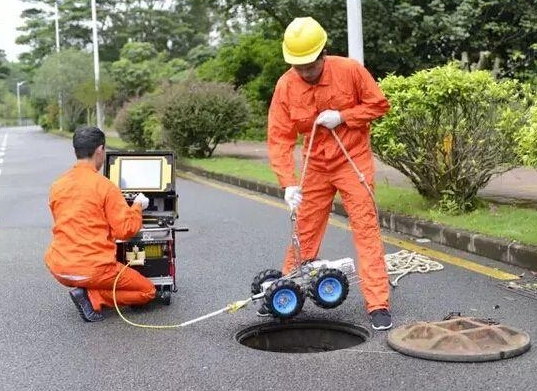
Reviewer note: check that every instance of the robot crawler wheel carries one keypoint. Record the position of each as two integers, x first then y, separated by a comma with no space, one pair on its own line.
266,275
166,297
164,294
329,288
284,299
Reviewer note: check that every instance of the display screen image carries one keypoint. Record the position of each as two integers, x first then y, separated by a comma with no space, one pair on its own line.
140,174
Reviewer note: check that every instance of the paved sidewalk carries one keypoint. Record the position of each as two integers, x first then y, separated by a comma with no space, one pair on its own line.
516,186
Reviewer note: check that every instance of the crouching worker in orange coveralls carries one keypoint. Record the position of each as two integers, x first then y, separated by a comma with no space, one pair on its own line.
337,93
89,213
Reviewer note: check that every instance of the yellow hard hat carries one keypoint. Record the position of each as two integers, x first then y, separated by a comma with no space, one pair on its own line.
303,41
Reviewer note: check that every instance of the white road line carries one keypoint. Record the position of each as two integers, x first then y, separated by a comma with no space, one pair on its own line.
3,150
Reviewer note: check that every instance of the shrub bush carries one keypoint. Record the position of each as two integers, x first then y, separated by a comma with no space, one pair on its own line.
152,132
197,116
132,120
450,130
527,140
253,63
48,120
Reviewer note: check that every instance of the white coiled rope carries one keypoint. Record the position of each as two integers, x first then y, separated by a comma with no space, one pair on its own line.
404,262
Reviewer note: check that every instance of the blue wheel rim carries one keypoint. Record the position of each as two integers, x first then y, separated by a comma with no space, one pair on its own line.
330,290
285,301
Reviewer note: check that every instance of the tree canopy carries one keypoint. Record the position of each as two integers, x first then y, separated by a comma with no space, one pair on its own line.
400,37
175,26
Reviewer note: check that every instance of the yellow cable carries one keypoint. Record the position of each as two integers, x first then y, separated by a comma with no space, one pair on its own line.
145,326
230,308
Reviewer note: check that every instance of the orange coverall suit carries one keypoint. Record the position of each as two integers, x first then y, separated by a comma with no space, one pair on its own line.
346,86
89,214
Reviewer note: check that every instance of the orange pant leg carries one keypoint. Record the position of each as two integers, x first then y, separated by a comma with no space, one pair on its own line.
132,288
365,229
312,217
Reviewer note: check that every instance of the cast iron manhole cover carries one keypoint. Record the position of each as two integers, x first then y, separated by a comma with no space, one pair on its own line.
459,339
303,336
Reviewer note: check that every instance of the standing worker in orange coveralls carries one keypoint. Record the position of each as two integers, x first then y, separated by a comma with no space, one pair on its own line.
89,214
336,93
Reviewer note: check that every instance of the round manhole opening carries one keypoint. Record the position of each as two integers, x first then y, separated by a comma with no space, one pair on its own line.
305,336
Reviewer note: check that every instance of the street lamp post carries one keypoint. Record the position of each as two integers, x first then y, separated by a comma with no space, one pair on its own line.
354,30
57,24
19,84
96,64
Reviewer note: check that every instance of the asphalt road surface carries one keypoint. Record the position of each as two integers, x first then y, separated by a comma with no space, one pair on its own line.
44,344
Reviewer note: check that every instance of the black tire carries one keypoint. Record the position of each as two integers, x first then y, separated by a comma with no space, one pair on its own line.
337,280
266,275
166,297
284,290
164,294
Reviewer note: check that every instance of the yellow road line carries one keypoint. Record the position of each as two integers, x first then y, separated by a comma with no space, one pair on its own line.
452,260
446,258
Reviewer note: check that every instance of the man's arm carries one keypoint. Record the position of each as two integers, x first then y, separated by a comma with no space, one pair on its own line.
281,140
373,104
124,220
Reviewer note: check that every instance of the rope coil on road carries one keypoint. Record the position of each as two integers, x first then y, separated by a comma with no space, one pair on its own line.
404,262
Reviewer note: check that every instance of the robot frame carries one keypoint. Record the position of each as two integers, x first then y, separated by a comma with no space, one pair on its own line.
325,282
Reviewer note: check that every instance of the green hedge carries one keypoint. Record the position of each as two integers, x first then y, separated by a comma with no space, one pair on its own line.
449,131
197,116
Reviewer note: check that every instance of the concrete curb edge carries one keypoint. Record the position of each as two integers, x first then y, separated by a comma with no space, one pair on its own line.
506,251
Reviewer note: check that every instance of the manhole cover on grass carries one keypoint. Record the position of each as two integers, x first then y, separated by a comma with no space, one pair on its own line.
461,339
304,336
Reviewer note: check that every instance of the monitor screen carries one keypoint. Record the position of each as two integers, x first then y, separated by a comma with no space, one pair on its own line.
140,174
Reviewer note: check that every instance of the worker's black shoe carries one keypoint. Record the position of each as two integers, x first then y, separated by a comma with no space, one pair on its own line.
263,311
83,304
381,319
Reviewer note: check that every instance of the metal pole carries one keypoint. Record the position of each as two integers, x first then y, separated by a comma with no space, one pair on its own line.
96,64
19,102
57,23
19,84
354,30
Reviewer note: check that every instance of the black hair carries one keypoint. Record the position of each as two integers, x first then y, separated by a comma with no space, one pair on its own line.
322,54
86,140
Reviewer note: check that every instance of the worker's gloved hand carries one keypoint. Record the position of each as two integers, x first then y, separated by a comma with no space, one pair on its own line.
293,196
329,119
142,200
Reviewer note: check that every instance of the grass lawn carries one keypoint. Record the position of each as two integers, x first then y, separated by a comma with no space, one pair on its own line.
501,221
112,142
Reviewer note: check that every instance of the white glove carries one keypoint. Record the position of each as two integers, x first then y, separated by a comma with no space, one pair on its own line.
293,196
329,119
142,200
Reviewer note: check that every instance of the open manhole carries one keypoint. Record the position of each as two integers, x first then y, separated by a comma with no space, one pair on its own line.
303,336
461,339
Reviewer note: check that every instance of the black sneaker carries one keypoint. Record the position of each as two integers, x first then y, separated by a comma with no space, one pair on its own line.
381,319
263,311
83,304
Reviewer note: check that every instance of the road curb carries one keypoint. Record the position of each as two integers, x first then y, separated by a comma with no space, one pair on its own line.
498,249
